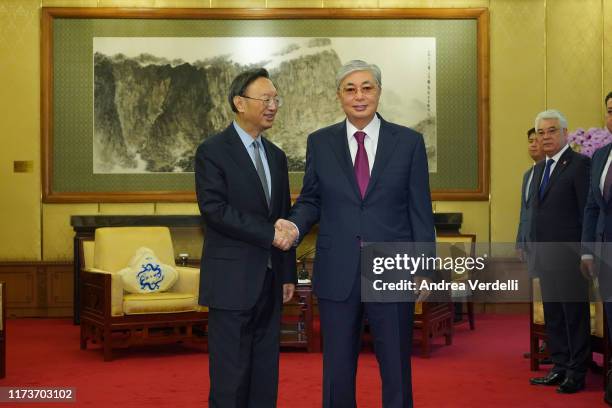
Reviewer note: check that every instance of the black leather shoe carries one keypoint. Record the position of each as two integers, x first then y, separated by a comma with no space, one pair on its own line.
551,379
570,386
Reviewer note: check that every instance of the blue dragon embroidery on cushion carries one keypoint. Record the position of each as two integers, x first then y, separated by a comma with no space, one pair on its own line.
150,276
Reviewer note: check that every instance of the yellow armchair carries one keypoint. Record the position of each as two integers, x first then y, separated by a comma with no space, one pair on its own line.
113,317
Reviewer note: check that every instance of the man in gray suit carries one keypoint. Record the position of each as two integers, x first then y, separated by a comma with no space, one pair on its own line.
534,148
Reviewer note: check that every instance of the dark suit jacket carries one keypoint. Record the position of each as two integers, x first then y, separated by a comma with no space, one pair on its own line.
597,225
557,219
522,234
596,209
239,226
396,206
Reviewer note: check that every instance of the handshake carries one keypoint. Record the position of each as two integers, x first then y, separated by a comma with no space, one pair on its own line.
285,234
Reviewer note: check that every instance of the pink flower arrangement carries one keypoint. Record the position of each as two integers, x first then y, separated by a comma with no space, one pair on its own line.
586,142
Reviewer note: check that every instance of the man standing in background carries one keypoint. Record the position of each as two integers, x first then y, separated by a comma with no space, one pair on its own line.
242,186
523,238
534,148
597,229
559,188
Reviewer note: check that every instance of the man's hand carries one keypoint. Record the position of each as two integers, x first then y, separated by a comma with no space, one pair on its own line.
422,294
588,269
288,289
285,234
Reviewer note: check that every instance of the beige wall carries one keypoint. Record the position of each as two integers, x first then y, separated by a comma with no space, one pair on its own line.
543,54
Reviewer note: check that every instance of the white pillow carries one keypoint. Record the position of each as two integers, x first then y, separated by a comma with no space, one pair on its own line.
146,274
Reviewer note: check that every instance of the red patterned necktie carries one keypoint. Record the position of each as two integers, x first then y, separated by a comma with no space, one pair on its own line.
362,166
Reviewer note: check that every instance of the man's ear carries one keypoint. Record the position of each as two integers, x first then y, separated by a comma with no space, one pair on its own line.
239,103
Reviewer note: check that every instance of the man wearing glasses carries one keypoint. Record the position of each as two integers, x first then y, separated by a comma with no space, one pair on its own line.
559,189
242,188
366,180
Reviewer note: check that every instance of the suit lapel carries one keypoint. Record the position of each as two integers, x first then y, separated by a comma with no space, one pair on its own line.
560,167
242,158
526,193
387,140
598,172
534,189
339,144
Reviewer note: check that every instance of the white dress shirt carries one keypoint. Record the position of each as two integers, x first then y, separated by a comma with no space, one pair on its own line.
249,142
370,142
556,158
602,180
529,182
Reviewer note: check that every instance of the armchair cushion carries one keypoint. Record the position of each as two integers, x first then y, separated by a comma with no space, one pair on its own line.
146,274
160,302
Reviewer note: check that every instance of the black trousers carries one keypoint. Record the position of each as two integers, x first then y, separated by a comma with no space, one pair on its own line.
244,350
341,327
567,325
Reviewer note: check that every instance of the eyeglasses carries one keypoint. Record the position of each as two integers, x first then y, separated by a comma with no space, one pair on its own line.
277,100
352,91
549,131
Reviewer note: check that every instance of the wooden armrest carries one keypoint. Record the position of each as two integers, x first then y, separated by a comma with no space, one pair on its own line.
101,292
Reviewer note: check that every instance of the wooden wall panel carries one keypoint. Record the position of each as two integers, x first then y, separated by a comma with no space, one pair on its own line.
38,289
59,286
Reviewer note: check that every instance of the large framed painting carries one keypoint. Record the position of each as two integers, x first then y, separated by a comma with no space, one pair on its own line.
129,94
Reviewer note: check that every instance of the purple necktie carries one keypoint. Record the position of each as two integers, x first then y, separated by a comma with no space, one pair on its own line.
362,166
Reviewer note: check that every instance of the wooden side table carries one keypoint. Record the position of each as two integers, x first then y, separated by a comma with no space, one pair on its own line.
299,332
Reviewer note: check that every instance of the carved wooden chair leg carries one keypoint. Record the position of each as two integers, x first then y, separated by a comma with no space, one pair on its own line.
83,337
426,343
107,345
534,346
470,310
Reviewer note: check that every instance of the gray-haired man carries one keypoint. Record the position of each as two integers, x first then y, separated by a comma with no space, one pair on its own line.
242,187
559,189
366,180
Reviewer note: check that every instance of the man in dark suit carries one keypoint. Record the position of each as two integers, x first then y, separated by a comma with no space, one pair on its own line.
366,180
524,229
560,190
523,238
597,229
242,189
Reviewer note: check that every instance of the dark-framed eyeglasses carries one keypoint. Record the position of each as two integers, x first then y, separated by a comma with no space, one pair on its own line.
277,100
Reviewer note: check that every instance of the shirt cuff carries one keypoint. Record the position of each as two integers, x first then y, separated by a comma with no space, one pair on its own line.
586,257
295,243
